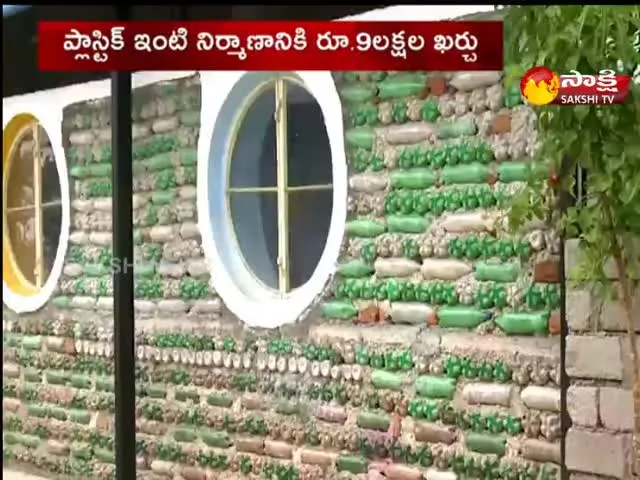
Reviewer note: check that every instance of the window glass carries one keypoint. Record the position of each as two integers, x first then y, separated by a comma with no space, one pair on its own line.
308,148
253,160
301,220
33,209
309,218
21,231
255,221
49,177
19,183
51,223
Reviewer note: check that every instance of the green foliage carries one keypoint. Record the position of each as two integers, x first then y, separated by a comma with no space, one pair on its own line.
601,140
604,141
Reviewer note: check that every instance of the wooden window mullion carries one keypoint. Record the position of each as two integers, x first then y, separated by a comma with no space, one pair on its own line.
37,206
283,181
310,188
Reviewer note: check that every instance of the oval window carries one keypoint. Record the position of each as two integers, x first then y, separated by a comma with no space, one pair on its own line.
272,190
279,186
32,208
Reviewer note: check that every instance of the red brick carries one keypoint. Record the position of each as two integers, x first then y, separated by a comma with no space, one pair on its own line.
61,345
501,124
395,426
437,86
432,319
555,323
370,314
69,346
547,271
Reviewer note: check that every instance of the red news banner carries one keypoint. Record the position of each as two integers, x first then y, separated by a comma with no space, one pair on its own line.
270,46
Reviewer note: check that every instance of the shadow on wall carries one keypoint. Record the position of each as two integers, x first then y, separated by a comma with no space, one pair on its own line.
254,167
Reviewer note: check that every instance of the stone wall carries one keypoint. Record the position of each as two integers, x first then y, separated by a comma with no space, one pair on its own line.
599,398
435,357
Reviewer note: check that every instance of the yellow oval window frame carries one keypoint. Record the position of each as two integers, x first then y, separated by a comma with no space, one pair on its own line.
11,272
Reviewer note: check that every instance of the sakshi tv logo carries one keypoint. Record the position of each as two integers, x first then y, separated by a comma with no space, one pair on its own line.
542,86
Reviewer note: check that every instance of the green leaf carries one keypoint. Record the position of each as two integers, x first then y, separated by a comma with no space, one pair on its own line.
603,140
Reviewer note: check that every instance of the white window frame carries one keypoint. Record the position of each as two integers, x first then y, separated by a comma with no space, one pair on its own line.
245,296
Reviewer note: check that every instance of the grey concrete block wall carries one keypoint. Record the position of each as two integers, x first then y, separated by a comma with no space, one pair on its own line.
599,443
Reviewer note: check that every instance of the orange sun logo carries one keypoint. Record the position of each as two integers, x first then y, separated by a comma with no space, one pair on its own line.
539,86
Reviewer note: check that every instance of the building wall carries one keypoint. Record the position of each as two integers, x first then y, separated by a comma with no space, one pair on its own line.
599,398
404,356
388,366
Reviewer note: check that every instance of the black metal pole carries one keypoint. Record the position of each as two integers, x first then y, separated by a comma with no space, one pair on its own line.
565,201
123,313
